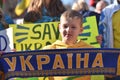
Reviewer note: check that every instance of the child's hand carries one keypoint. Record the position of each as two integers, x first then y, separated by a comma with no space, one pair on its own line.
13,50
99,39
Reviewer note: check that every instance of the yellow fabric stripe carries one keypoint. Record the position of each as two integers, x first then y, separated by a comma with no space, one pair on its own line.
97,77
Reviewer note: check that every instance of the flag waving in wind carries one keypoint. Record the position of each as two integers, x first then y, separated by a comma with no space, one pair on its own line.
21,6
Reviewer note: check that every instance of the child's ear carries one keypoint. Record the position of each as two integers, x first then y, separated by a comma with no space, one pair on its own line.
81,29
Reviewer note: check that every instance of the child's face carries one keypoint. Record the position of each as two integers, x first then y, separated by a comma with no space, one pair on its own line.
70,29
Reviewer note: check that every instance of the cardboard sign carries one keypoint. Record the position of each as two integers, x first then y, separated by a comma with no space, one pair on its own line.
35,36
90,31
6,40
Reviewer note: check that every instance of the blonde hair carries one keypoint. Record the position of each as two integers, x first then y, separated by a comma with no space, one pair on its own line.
70,14
80,5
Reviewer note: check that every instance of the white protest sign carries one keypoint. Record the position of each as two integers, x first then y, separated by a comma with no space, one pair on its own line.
6,40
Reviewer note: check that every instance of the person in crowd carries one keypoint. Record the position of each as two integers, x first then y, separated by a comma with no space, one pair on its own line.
109,25
82,7
3,24
70,27
100,6
44,11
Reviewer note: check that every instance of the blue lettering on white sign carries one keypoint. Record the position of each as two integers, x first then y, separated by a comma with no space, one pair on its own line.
3,41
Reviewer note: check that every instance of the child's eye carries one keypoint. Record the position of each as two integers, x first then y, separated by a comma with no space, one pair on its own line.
65,26
73,27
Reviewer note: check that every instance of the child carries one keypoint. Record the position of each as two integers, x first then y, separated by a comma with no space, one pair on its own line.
70,27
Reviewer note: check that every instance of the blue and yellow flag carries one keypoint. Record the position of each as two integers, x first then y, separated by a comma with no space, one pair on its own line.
21,6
